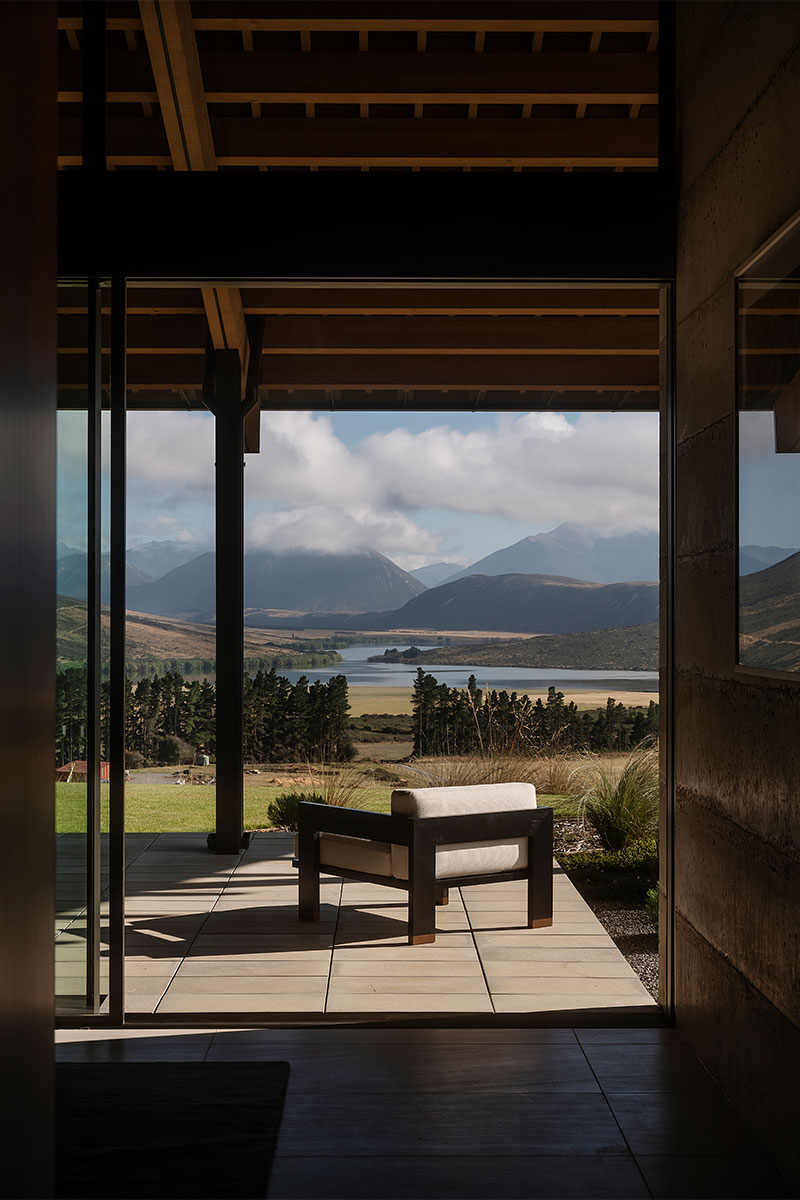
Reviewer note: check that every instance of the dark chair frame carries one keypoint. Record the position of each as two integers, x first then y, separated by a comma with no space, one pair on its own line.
422,835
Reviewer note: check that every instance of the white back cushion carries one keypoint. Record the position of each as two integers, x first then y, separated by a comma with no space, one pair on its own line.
466,858
452,801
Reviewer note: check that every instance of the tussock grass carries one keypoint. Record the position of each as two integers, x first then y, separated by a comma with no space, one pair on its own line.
623,807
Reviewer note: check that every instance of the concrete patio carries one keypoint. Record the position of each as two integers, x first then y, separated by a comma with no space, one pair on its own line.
214,934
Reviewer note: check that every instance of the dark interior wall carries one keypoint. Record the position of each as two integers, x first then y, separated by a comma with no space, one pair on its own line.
737,750
27,551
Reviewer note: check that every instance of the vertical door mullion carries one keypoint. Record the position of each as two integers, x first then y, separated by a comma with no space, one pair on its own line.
93,660
117,679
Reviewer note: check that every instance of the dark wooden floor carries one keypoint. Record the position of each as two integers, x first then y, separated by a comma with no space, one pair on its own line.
480,1113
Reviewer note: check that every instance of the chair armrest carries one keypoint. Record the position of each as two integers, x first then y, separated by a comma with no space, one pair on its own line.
353,822
481,827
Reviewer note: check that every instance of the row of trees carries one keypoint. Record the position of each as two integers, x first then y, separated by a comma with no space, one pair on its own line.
450,720
169,719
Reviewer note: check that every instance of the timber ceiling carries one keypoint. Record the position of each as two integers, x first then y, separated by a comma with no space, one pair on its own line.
478,85
372,85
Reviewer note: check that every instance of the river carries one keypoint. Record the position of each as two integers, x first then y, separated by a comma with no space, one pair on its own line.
361,673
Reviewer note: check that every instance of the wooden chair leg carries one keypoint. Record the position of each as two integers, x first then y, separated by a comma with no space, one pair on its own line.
421,890
540,875
442,895
308,877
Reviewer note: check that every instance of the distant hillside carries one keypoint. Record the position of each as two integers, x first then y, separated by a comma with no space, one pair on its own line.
770,616
574,551
157,558
757,558
160,640
298,581
634,648
71,576
435,573
514,603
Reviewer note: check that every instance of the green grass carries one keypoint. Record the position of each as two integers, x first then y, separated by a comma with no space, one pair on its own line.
151,808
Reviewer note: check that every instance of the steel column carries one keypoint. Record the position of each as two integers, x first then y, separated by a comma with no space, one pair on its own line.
117,678
230,598
94,417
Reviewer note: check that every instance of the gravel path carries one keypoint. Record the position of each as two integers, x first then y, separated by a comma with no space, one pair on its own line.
635,935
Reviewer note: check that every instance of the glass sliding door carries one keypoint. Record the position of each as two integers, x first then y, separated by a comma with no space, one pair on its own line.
78,768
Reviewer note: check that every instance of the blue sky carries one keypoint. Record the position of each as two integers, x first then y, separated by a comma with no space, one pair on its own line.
419,487
769,486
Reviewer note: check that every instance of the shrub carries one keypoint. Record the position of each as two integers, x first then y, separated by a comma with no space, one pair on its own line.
651,904
171,751
134,759
282,811
624,875
623,808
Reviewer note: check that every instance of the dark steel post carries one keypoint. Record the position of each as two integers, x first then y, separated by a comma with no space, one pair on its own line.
540,872
94,121
117,679
230,599
421,887
93,659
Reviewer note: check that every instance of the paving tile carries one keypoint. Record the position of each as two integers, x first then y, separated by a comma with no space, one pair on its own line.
681,1123
451,1124
276,965
242,1002
402,969
548,953
408,985
267,985
439,951
530,939
570,1002
391,1177
713,1177
596,989
533,968
357,1002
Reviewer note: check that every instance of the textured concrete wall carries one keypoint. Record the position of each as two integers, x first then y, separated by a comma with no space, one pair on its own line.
737,751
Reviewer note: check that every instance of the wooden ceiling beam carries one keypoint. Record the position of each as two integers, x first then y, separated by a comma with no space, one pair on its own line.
440,78
393,300
242,141
342,334
470,371
442,141
394,372
175,62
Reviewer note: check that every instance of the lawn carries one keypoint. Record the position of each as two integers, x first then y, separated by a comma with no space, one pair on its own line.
156,808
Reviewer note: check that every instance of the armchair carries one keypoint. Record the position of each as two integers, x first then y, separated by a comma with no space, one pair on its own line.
433,839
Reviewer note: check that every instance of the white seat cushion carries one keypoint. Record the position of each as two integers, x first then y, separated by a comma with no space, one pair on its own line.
466,858
354,854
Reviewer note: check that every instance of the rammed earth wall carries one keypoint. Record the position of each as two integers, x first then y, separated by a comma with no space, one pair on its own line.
737,752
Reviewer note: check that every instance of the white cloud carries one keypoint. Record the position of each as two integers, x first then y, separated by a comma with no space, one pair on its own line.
537,468
333,529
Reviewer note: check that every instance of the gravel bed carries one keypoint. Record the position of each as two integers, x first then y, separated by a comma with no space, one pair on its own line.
635,936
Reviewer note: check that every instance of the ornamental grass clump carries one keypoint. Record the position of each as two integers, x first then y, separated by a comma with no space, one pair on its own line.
282,811
623,808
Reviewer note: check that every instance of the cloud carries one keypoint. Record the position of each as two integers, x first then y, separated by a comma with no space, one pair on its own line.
309,488
333,529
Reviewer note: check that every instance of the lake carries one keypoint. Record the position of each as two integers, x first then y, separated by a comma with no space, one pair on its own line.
361,673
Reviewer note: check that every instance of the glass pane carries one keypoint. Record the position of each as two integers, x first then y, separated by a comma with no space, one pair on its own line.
769,459
70,733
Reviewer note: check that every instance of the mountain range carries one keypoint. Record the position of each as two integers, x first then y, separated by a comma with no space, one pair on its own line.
512,603
756,558
295,582
769,616
575,551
